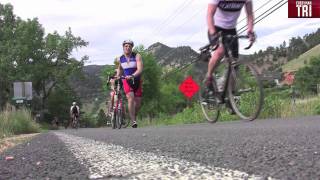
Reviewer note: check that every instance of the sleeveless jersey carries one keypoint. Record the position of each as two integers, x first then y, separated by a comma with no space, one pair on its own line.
129,67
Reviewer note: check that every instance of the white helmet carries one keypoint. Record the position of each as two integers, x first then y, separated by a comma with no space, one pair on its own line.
128,41
74,103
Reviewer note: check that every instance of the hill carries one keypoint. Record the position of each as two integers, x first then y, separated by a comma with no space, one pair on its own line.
302,60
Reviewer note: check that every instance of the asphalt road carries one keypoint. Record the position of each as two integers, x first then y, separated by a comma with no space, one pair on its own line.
263,149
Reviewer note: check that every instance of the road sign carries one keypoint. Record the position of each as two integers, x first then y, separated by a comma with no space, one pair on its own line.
22,93
189,87
22,90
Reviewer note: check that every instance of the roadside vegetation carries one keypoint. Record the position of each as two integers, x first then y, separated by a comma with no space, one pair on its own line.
13,122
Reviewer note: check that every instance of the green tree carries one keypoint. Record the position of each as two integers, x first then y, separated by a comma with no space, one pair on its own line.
59,103
308,77
56,66
26,54
102,118
7,25
151,87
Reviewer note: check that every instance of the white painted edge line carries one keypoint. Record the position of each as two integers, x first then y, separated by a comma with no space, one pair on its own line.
113,161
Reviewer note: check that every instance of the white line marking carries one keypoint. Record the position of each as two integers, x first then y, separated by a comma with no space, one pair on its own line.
112,161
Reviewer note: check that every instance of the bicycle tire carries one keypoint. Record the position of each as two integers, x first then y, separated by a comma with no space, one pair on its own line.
125,120
113,120
74,122
209,106
119,119
245,91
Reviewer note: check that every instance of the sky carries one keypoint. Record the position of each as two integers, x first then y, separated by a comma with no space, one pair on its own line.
106,23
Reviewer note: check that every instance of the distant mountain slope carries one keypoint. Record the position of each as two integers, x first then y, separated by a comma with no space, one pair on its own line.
302,60
172,57
90,86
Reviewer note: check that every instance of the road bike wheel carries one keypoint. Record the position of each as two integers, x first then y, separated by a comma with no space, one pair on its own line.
77,123
119,119
125,120
74,122
209,106
245,91
113,120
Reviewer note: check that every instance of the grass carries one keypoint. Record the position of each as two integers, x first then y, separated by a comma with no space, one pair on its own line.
302,60
189,115
17,122
302,107
275,106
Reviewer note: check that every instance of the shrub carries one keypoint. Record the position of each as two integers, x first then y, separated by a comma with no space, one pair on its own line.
17,122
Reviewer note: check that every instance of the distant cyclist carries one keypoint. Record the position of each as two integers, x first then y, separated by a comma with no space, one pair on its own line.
222,16
130,64
74,110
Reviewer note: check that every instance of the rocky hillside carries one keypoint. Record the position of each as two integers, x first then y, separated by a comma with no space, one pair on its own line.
89,86
172,57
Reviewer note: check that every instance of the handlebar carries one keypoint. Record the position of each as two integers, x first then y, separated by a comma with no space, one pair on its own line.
214,47
124,77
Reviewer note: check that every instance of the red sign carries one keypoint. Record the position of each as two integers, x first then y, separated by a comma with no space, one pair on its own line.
304,8
189,87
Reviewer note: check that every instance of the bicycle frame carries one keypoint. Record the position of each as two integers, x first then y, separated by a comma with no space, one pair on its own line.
119,107
118,98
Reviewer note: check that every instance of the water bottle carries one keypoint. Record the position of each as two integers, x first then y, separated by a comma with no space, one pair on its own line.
221,82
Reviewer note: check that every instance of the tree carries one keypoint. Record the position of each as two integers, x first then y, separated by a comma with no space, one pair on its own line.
7,24
102,118
55,65
151,87
60,101
26,54
308,77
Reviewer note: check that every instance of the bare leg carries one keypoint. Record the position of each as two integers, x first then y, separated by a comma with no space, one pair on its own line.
131,108
213,60
137,104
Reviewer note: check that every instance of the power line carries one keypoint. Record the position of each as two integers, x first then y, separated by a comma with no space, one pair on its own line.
244,28
184,23
168,17
256,10
171,18
197,32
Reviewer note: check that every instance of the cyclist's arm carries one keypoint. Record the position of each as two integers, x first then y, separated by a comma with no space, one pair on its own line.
139,66
119,71
212,7
250,17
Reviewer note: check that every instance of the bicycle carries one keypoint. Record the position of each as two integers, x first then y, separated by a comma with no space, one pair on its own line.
239,86
118,116
75,122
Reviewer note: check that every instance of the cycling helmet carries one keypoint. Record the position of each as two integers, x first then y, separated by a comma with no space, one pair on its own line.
74,103
128,41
